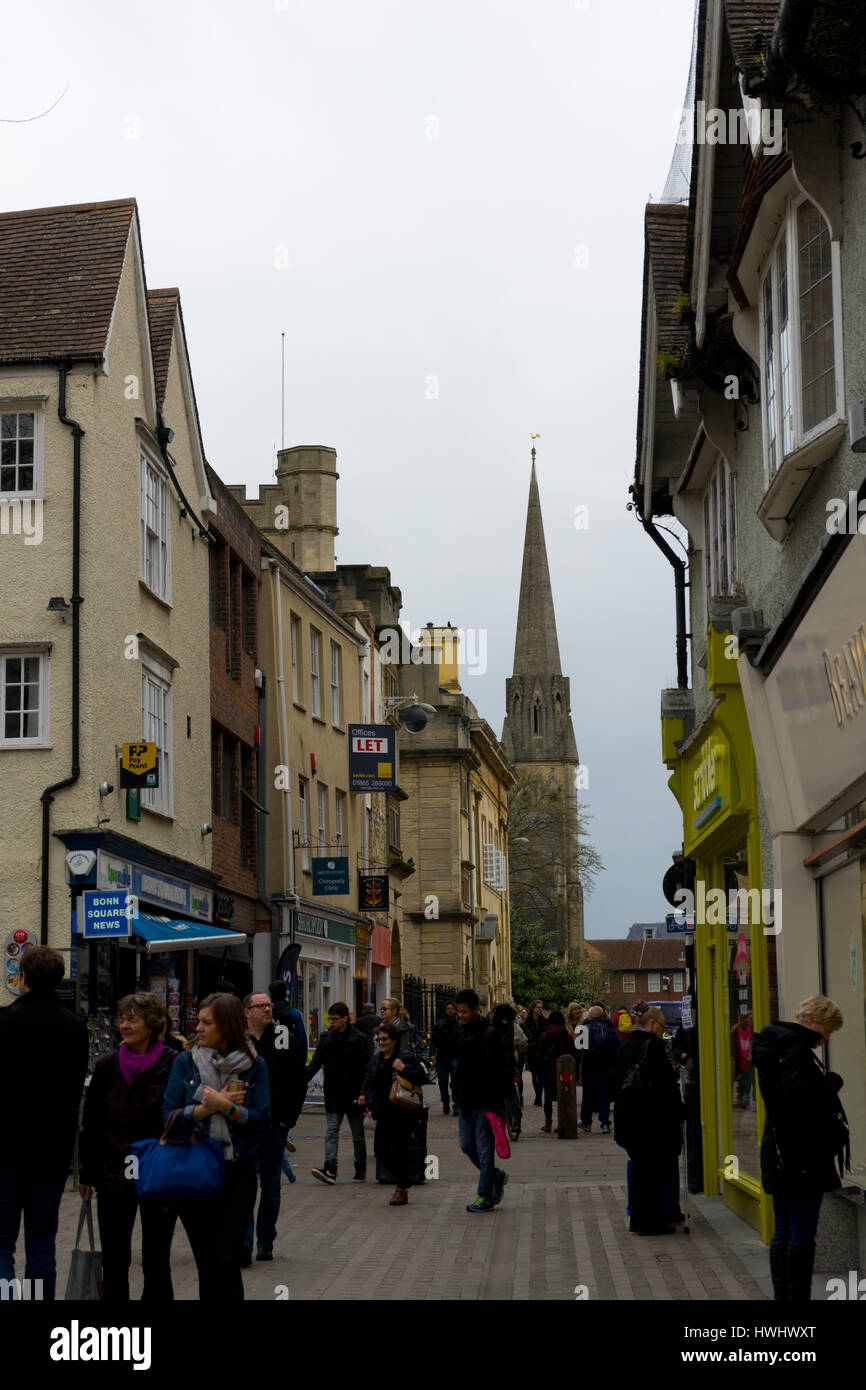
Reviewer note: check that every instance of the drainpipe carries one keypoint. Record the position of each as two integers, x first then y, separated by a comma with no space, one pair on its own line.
76,601
679,568
472,903
289,869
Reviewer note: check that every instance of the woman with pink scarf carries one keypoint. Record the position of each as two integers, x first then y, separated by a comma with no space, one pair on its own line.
123,1104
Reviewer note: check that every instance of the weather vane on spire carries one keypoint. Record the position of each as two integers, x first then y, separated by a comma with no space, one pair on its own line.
534,436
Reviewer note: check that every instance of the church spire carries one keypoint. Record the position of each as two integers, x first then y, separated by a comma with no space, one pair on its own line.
536,649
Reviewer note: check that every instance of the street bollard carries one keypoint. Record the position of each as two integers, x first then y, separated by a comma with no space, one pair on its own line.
566,1098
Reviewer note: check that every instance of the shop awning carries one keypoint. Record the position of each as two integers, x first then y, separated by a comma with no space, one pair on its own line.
169,934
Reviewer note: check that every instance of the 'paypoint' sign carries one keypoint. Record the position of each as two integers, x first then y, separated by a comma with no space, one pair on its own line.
139,765
371,757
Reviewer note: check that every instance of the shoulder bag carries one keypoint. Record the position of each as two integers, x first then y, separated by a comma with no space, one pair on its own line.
172,1170
407,1095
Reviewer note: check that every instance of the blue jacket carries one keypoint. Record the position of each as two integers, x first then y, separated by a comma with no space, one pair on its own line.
247,1129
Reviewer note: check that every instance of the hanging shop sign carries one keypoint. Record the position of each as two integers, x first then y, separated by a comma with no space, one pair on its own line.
225,907
372,892
106,914
14,947
371,757
710,783
139,765
331,876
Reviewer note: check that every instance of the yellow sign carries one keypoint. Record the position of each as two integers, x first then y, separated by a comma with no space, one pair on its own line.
138,758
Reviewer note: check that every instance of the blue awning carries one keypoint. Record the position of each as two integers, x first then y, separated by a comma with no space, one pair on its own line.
169,934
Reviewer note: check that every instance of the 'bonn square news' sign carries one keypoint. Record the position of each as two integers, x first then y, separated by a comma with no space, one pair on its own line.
371,757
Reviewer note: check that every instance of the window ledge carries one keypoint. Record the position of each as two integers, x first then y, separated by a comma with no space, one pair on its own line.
154,811
302,708
796,470
166,603
22,747
317,719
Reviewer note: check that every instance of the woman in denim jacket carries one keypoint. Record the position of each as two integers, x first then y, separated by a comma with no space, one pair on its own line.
220,1089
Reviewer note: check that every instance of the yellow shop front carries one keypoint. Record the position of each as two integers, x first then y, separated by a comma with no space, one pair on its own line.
715,782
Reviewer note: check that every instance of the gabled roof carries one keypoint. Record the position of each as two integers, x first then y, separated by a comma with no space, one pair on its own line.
750,28
59,274
161,310
666,232
619,954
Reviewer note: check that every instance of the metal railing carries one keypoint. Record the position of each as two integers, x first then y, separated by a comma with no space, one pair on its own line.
425,1003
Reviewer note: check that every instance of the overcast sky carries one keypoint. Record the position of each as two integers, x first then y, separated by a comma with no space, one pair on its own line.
441,205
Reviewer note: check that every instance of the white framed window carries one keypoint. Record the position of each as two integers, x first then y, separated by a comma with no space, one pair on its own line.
678,982
315,667
303,823
339,817
335,684
155,536
720,530
156,727
800,334
653,982
23,699
322,799
295,627
22,434
628,984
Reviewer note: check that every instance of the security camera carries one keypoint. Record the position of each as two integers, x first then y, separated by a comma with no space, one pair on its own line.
105,789
207,830
414,719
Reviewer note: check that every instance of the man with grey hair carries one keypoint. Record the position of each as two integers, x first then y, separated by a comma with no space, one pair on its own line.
597,1068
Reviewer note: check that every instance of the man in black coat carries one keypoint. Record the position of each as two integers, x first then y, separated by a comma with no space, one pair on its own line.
647,1119
367,1024
278,1047
479,1087
343,1053
443,1044
805,1136
45,1049
597,1068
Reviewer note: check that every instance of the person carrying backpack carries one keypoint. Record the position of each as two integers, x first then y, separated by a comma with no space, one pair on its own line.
597,1069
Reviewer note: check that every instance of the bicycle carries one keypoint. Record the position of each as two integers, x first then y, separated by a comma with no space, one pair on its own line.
513,1112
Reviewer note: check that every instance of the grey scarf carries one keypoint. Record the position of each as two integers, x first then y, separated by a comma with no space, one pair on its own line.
217,1069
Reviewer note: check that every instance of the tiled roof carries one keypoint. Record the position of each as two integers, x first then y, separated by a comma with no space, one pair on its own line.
749,23
625,954
666,226
59,273
161,310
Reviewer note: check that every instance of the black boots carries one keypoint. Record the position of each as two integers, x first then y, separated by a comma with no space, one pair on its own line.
801,1259
779,1269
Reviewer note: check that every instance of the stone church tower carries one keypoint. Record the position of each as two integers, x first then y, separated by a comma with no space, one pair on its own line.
538,737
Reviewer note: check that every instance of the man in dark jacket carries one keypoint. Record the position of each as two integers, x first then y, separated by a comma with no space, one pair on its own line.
284,1013
479,1087
804,1137
45,1046
367,1024
597,1060
444,1047
343,1053
278,1048
647,1117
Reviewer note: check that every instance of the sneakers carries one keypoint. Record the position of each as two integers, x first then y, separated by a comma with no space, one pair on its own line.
325,1174
605,1129
360,1175
480,1204
291,1147
500,1178
586,1129
287,1169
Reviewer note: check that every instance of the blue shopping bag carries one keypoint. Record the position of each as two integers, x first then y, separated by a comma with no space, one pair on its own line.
176,1171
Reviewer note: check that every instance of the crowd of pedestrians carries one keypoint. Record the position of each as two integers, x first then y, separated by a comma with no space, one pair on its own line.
238,1087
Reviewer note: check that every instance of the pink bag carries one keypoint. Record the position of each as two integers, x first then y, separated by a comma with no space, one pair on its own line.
500,1138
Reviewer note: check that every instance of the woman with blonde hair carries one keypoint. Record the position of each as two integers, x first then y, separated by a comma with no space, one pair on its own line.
574,1015
805,1138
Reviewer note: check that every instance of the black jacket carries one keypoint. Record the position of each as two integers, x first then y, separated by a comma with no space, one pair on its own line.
344,1059
603,1044
443,1040
379,1079
44,1048
648,1118
285,1065
367,1025
116,1115
802,1136
555,1042
482,1068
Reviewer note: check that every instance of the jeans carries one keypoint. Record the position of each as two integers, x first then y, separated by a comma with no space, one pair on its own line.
445,1071
270,1163
797,1216
115,1212
596,1097
332,1136
216,1228
476,1141
37,1197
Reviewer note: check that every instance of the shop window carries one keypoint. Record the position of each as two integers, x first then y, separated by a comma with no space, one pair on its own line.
744,1125
720,531
628,984
800,334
